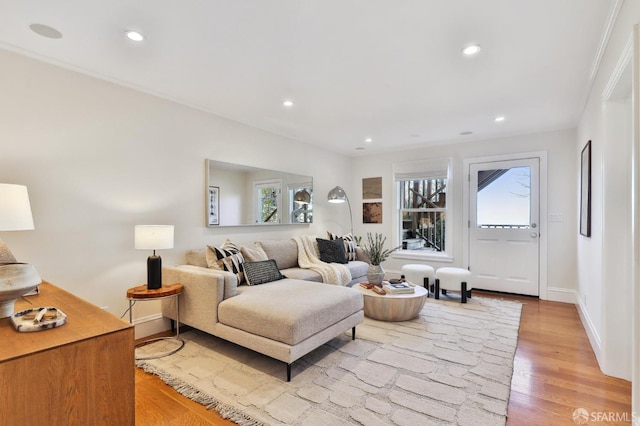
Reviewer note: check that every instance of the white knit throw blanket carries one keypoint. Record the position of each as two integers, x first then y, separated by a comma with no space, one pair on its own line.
332,273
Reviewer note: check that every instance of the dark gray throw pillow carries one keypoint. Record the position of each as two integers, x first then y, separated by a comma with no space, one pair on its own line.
263,271
332,251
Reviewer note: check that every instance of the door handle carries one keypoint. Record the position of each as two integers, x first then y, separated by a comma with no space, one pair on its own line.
534,235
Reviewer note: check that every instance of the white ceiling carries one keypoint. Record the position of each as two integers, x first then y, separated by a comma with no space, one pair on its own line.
391,70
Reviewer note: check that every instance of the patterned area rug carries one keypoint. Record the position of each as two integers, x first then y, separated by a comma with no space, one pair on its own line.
452,365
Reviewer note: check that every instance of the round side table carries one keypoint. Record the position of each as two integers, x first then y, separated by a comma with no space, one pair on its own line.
142,293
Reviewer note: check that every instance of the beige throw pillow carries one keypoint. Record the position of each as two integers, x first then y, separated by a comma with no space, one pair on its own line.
253,254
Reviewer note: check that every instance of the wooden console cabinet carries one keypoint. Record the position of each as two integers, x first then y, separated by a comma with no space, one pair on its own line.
81,373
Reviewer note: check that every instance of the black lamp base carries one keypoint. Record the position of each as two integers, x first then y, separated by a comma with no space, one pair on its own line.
154,272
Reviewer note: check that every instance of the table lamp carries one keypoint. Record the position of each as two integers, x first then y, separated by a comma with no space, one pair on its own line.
154,237
16,279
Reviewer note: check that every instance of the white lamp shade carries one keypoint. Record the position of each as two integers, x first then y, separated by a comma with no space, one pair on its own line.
15,209
154,237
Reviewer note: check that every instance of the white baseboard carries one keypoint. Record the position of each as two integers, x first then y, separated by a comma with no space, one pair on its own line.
150,325
559,294
592,333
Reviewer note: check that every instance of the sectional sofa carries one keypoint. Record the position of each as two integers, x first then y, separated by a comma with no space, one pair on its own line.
285,318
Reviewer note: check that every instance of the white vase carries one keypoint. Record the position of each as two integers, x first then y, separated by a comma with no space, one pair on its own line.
375,274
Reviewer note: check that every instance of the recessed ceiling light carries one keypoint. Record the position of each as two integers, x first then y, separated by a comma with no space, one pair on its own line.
499,118
368,140
471,50
287,103
45,31
134,35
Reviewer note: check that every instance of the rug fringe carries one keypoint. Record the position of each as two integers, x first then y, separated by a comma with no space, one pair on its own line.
225,411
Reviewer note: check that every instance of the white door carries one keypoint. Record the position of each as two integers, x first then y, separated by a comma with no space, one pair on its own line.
503,225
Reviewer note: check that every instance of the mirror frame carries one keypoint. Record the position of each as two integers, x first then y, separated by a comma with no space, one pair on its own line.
233,190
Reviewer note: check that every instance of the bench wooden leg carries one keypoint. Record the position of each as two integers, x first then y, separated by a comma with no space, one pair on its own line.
425,283
463,292
437,290
288,372
353,333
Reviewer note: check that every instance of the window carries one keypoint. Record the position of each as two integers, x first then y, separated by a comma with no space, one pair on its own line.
503,198
423,219
268,200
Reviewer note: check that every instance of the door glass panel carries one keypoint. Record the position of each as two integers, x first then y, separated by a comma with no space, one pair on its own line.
504,198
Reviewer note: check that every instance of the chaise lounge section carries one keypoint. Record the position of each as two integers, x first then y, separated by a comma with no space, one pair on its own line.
284,319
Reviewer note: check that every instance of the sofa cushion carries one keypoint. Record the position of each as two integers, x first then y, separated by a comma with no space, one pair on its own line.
302,274
284,252
289,311
226,258
358,268
197,258
331,251
253,254
264,271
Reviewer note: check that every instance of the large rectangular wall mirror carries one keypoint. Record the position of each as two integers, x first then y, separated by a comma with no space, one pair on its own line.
238,195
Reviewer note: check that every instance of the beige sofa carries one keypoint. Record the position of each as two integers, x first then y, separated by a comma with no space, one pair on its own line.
285,253
283,319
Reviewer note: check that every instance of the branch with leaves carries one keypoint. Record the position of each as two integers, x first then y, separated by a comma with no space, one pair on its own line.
374,248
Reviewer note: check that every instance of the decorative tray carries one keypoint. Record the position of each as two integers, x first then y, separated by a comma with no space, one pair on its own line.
38,319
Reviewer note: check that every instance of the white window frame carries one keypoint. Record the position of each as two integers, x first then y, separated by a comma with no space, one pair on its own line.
423,169
257,187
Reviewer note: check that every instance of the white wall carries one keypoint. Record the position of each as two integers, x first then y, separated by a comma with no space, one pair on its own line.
99,158
560,146
604,260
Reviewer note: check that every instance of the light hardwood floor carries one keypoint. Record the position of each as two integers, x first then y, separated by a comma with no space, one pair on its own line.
555,373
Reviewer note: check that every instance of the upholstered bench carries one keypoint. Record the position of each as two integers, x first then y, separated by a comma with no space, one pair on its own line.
454,279
419,274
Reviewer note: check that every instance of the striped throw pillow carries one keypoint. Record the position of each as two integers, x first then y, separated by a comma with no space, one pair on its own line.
226,258
349,244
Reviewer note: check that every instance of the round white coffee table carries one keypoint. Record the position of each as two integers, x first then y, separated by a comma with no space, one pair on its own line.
393,307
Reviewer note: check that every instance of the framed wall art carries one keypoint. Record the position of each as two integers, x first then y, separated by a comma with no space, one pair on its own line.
214,206
371,188
371,212
585,191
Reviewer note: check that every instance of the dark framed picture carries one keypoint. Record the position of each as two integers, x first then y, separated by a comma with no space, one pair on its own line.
585,191
214,206
371,212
